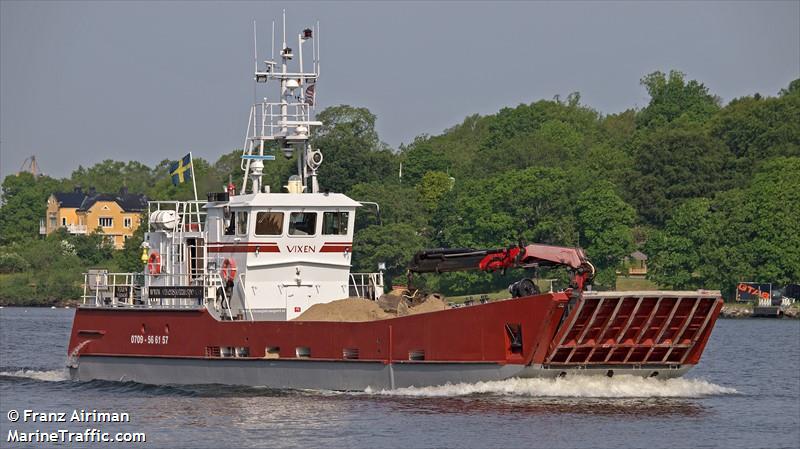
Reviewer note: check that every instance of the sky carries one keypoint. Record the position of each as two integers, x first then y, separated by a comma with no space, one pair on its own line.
81,82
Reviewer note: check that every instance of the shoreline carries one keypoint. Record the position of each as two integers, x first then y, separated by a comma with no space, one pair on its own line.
738,311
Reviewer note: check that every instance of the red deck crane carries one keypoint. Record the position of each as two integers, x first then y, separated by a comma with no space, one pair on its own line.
444,260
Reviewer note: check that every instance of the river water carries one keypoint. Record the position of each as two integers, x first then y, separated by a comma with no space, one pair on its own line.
745,393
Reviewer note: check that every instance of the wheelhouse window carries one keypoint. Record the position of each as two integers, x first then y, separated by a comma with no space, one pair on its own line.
302,223
241,223
269,223
230,223
106,222
335,223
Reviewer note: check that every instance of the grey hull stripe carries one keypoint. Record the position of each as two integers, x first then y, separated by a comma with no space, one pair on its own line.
327,375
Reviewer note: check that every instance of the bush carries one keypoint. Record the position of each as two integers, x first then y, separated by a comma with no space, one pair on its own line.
12,263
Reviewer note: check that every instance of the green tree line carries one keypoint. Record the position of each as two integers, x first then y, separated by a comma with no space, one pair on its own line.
710,191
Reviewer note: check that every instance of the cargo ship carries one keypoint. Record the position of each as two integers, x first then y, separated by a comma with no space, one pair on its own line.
226,279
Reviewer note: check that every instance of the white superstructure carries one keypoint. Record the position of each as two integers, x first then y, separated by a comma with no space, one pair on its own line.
259,255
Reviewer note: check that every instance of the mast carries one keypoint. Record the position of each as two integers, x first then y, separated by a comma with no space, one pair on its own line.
286,123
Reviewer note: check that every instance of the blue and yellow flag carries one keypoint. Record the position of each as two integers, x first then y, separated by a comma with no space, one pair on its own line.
182,170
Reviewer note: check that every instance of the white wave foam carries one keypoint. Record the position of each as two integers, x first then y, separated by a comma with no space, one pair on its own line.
620,386
56,375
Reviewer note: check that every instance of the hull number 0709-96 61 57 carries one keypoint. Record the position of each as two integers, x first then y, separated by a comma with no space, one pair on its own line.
149,339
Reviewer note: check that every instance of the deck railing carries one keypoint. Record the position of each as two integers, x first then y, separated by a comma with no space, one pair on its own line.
190,215
104,289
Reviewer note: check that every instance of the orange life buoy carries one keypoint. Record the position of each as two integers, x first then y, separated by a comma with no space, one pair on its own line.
154,263
228,270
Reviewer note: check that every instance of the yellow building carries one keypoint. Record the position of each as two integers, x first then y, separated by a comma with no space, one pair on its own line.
117,215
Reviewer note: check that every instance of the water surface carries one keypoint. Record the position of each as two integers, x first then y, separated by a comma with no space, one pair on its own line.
745,393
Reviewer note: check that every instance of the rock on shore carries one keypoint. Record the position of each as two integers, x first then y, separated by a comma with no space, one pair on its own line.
735,312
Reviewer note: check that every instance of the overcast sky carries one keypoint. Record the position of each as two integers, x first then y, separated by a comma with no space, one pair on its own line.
85,81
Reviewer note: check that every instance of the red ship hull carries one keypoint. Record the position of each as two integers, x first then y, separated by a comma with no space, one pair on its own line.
660,334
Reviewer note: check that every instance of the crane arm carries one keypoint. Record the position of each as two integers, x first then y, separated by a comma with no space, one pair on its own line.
536,255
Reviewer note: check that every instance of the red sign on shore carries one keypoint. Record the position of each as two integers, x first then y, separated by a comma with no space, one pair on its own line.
751,291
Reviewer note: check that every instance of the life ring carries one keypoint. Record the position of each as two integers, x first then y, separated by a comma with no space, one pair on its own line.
154,263
228,270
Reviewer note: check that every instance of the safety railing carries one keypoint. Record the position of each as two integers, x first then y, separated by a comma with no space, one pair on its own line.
138,290
101,288
177,216
267,121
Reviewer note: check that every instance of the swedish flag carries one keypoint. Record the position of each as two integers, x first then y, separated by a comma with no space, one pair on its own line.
182,170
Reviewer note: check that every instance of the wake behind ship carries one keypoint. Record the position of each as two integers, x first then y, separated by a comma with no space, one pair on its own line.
226,279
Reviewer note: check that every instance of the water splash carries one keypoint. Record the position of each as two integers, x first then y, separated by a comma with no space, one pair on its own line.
620,386
56,375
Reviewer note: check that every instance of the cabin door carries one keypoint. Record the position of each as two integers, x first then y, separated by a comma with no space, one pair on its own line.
196,260
298,300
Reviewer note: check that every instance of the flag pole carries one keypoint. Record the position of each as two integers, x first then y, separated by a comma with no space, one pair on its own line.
194,186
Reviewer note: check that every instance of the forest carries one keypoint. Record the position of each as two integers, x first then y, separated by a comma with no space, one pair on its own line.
709,191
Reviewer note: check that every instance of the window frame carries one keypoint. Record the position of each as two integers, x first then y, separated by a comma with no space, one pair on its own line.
281,221
239,232
127,222
345,222
110,221
289,228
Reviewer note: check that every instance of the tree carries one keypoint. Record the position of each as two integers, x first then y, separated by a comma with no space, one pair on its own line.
422,156
433,187
792,89
759,233
392,244
605,222
673,164
398,204
353,152
679,251
110,176
129,259
544,133
24,202
532,205
618,129
743,234
756,129
672,98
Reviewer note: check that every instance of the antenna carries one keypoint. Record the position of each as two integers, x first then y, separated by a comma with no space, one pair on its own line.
255,47
300,63
314,47
284,123
255,60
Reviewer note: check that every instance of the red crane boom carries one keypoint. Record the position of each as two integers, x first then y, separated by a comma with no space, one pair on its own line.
530,256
